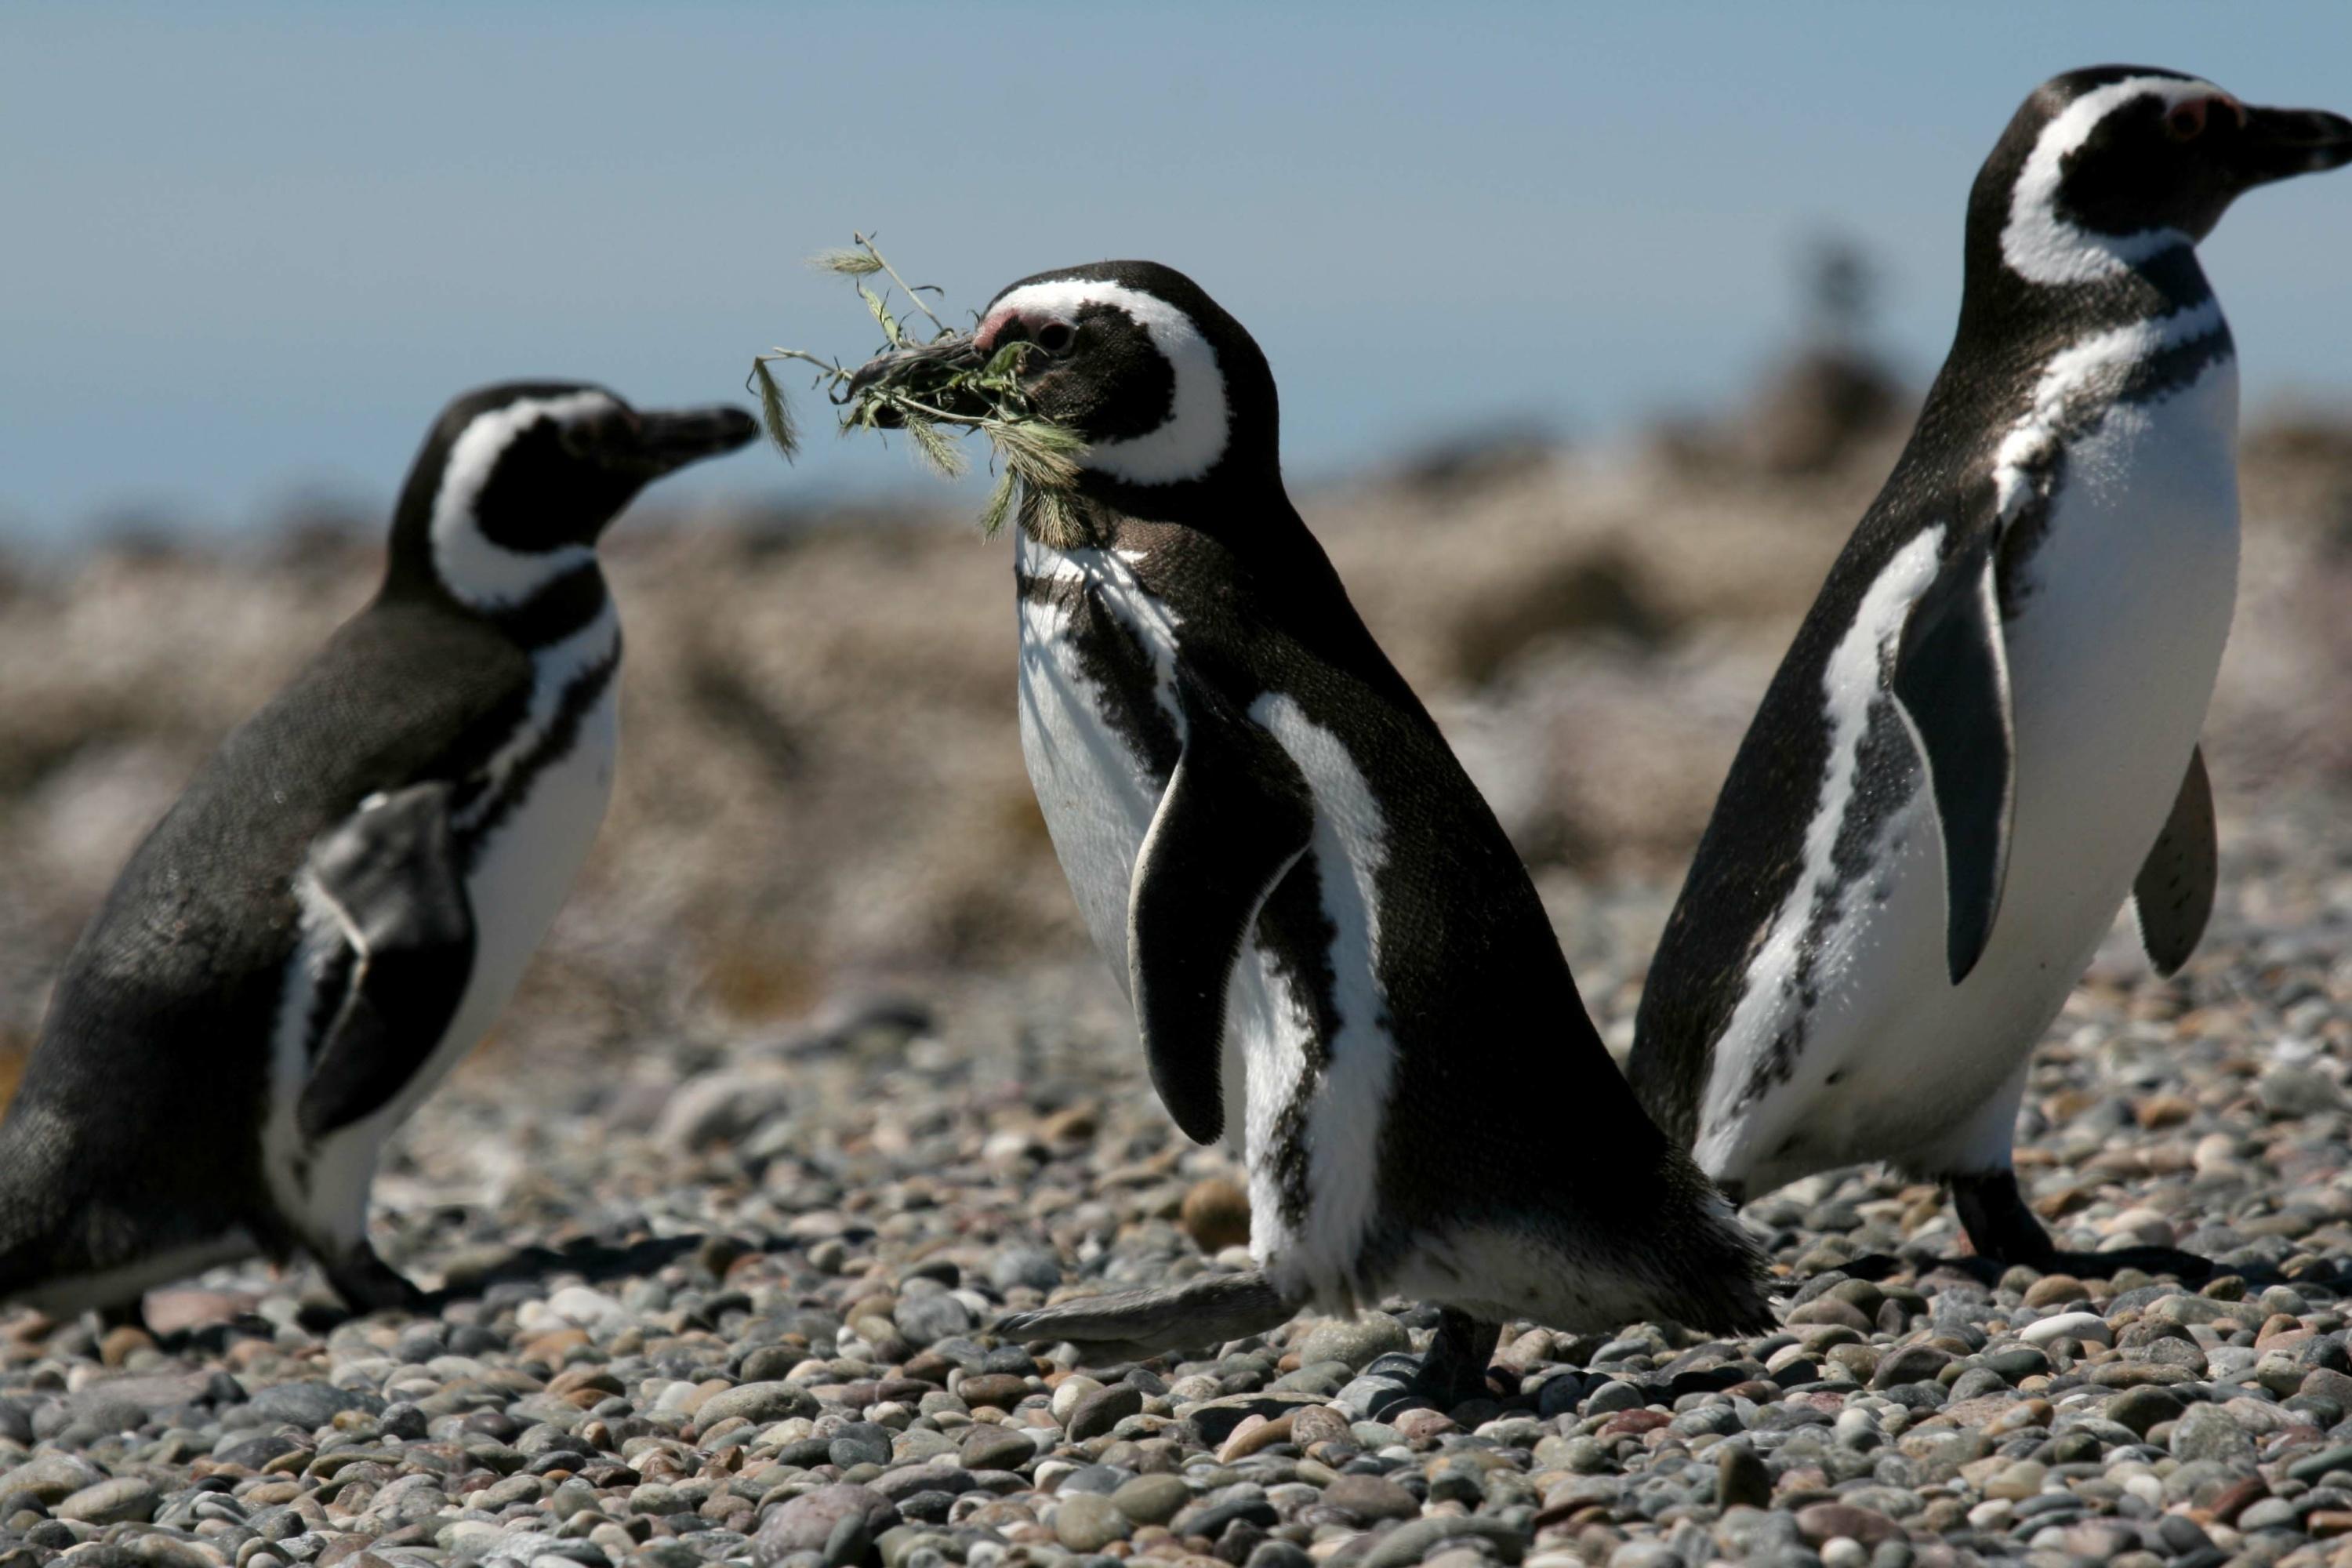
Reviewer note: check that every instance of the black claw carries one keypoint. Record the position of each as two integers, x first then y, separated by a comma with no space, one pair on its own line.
368,1284
1452,1372
2004,1233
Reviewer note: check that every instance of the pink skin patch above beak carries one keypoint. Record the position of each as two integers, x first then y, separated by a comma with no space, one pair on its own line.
984,339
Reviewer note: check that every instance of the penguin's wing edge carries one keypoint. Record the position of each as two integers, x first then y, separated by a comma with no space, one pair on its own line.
1951,685
2172,897
1234,819
389,873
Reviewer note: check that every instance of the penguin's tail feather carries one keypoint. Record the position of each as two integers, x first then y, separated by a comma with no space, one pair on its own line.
31,1163
1716,1273
1128,1325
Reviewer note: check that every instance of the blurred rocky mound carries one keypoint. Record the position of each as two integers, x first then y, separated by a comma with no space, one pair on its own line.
821,782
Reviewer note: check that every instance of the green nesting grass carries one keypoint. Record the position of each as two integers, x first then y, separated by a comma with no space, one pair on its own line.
936,398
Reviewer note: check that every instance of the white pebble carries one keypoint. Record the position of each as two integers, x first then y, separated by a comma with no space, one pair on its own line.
2088,1327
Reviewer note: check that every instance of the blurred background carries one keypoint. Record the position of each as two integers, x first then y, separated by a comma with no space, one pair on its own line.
1596,328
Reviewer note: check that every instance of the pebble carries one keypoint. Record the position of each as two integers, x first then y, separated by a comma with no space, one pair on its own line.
1152,1499
1353,1342
1216,1214
123,1500
1089,1523
2088,1327
1370,1498
806,1522
1096,1412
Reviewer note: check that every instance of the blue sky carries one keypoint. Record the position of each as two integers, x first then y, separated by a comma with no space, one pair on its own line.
249,249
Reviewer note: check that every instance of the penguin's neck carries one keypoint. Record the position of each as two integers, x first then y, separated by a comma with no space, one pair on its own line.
535,598
2007,317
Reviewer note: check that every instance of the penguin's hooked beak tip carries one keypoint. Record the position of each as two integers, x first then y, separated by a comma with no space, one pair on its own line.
2280,143
671,439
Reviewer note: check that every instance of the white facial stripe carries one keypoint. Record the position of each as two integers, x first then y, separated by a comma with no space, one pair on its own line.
2042,248
482,573
1195,434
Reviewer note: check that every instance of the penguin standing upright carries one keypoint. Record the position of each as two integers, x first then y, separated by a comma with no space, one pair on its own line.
1337,961
345,896
1985,734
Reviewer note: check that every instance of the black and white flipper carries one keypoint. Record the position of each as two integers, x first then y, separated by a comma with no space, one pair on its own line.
1234,819
1951,680
391,877
2172,897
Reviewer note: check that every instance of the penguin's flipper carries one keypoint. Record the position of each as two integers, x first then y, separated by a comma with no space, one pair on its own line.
1951,684
2173,894
1236,816
1130,1324
391,877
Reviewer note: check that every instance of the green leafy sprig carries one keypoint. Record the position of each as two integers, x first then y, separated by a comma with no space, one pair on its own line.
936,398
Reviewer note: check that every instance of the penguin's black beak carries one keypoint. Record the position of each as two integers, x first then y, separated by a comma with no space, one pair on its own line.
667,441
2280,143
924,373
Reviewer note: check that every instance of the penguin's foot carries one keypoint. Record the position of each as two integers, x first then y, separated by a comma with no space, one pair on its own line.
368,1284
1451,1371
1128,1325
2004,1231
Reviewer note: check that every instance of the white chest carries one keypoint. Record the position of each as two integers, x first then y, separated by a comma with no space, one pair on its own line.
1095,786
2113,650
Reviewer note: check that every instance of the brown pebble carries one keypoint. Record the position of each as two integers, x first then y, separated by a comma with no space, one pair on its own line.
1633,1422
1318,1424
1828,1310
1821,1522
1072,1124
2238,1497
1417,1426
1216,1214
1000,1389
2051,1290
1740,1478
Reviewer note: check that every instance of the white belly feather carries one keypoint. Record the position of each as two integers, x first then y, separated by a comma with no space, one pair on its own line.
1099,798
2111,657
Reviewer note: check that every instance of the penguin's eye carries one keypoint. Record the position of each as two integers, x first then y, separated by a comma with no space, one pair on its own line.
2186,121
1056,337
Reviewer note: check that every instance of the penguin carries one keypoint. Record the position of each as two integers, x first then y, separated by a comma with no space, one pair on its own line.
1985,735
1338,964
343,899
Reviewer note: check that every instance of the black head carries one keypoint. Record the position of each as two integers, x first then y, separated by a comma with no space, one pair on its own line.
1172,394
2101,169
517,481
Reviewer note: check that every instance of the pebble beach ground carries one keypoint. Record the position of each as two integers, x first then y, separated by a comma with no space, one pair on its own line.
732,1306
716,1281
